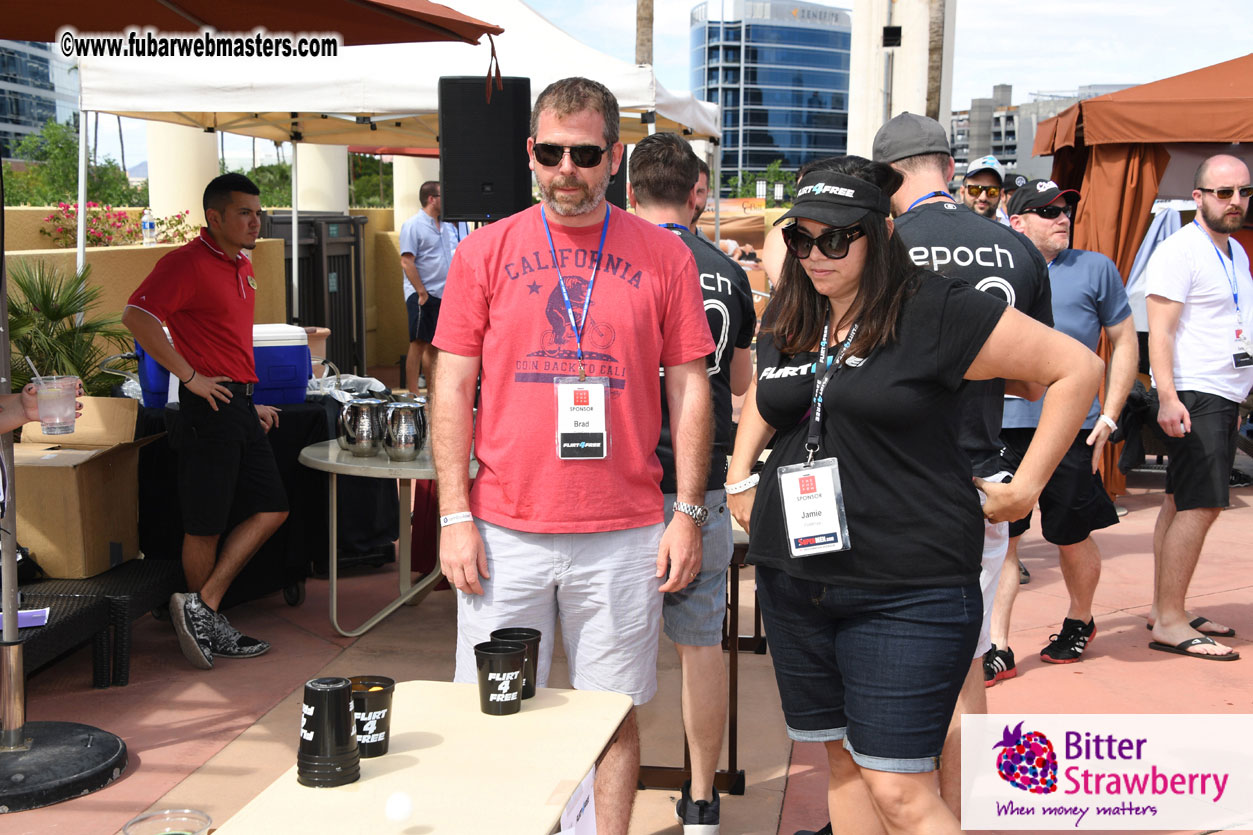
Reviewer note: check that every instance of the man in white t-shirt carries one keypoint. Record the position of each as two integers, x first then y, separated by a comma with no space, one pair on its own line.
1200,311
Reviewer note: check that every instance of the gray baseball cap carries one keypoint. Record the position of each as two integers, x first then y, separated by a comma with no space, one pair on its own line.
909,135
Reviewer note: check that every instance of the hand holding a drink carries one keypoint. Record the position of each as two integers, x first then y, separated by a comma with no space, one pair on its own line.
50,400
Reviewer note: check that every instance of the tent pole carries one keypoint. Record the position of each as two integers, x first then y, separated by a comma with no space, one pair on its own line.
715,190
295,236
82,196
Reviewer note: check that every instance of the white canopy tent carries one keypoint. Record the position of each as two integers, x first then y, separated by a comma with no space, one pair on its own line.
384,95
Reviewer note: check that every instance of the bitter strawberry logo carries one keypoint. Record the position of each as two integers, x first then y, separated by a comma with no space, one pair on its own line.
1027,761
809,484
581,398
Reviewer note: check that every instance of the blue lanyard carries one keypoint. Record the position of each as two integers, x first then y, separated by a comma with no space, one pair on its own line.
577,327
821,380
1230,276
674,226
928,197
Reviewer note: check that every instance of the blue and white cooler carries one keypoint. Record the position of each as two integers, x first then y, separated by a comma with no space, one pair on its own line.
281,353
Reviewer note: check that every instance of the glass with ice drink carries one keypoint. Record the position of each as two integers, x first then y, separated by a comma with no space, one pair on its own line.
56,398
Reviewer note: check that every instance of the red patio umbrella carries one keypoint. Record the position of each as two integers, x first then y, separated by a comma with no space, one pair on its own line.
356,21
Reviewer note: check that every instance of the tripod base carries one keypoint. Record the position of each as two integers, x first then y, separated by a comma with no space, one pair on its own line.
63,760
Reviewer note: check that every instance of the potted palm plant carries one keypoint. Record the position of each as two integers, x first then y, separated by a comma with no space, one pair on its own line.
51,321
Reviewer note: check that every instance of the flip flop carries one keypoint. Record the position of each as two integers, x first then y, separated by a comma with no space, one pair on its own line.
1181,648
1199,621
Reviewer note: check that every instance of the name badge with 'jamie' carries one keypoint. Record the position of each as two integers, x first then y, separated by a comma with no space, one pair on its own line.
582,418
813,508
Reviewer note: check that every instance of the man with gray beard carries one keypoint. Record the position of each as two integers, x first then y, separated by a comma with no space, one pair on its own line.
565,517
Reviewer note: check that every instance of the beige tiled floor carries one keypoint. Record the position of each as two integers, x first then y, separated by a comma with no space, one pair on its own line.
213,739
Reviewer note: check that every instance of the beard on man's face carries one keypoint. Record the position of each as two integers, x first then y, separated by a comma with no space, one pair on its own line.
1225,220
590,196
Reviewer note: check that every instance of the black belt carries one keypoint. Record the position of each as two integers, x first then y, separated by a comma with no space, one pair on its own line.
239,388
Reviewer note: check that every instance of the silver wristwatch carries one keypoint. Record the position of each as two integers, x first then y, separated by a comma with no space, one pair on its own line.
699,513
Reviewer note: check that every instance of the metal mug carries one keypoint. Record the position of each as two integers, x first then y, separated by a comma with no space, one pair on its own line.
361,426
404,425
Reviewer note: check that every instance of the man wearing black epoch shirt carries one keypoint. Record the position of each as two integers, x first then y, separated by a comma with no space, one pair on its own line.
662,190
953,240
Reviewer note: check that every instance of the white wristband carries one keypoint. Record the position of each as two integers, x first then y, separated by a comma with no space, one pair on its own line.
455,518
740,486
1110,422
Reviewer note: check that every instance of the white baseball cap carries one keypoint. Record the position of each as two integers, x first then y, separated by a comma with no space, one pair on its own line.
988,163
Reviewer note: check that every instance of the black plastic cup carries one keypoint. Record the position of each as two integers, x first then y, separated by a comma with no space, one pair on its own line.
500,665
328,754
530,639
372,706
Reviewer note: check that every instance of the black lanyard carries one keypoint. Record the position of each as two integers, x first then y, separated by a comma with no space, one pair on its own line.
820,385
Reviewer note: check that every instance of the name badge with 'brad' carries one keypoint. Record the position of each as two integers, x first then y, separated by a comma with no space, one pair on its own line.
582,418
813,508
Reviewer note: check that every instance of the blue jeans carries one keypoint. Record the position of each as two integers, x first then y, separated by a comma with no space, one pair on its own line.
877,668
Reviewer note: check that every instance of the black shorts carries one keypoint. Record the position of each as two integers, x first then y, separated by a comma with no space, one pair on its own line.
422,318
1074,502
1198,472
226,469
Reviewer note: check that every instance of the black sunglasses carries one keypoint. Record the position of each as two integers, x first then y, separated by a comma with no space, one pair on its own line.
833,243
1051,212
584,156
1226,192
993,191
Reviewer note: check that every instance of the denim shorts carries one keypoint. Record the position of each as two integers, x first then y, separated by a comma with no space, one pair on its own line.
693,617
877,668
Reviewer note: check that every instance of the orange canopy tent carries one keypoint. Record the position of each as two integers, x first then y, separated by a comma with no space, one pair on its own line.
1113,147
1116,149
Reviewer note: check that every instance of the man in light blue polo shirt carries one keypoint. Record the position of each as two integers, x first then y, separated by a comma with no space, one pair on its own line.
1088,299
426,248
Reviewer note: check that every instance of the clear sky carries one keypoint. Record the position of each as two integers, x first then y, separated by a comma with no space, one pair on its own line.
1034,45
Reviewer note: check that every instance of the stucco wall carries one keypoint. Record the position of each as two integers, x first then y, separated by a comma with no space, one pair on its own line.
118,270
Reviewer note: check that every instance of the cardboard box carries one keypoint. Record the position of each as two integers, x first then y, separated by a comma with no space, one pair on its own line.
78,494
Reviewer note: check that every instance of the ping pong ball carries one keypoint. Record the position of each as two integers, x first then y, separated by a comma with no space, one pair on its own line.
399,807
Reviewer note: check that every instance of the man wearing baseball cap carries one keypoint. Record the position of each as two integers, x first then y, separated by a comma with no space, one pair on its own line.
950,238
981,187
1088,299
1013,181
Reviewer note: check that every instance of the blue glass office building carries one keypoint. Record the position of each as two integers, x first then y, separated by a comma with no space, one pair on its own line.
35,86
780,72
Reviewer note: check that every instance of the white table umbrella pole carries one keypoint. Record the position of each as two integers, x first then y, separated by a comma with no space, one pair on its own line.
295,235
82,194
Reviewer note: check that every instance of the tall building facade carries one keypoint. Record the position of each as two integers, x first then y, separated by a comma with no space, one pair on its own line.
35,86
779,70
1007,131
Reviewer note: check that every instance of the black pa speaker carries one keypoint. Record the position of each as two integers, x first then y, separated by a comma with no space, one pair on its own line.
483,166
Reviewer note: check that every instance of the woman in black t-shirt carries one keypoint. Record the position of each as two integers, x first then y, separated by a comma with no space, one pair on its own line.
860,360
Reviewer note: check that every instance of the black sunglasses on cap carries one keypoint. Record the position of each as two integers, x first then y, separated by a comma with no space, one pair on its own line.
833,243
1226,192
584,156
1051,212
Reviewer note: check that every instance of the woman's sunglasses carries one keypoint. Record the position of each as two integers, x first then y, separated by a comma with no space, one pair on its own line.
1051,212
833,243
584,156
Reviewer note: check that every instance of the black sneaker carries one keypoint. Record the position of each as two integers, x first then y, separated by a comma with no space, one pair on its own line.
1239,478
194,624
229,642
1024,576
826,830
1067,646
699,817
998,665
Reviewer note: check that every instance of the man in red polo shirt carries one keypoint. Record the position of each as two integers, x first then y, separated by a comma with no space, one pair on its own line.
205,293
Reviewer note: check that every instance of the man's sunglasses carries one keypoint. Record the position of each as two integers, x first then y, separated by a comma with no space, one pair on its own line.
1226,192
833,243
1051,212
584,156
993,191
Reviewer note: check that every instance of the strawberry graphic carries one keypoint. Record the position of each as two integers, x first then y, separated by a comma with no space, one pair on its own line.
1027,761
